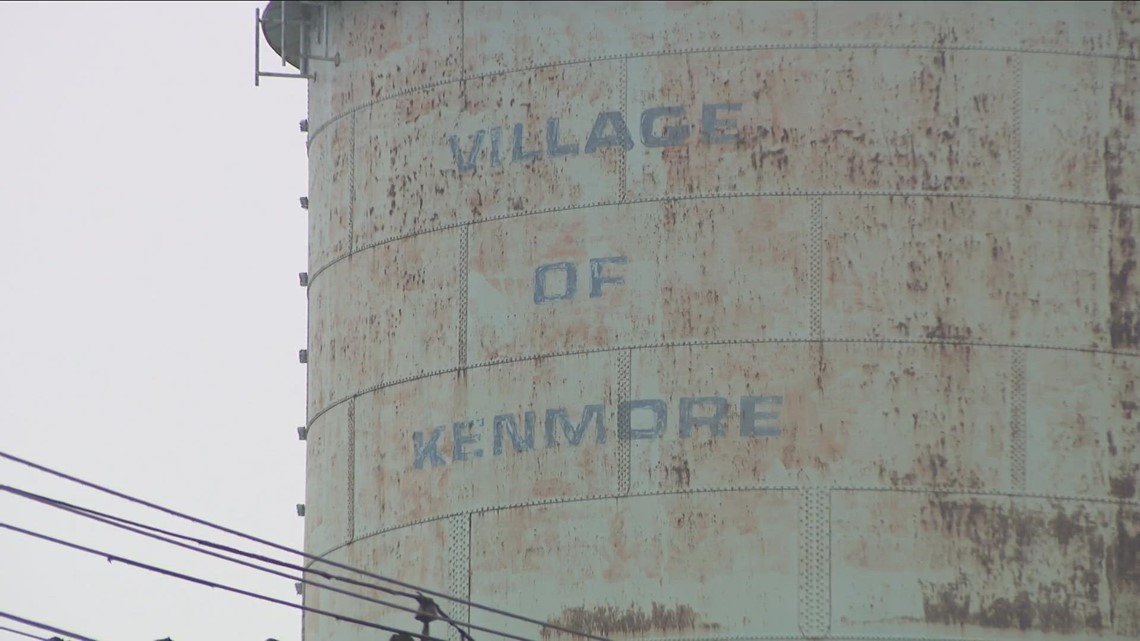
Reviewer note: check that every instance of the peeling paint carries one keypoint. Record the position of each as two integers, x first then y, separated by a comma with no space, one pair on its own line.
912,223
1124,280
1123,568
1007,543
630,621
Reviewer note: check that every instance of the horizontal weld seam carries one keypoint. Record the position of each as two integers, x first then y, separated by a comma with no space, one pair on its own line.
681,52
713,196
930,489
733,341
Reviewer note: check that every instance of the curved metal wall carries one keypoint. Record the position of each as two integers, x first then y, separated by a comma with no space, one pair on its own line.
699,320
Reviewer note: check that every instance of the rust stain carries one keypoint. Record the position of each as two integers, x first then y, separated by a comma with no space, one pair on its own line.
944,331
1124,285
1122,487
1116,147
1090,579
939,147
610,620
1126,17
1119,176
679,471
1123,569
1126,466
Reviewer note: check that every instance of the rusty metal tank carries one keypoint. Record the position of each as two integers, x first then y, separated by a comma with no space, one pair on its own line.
703,320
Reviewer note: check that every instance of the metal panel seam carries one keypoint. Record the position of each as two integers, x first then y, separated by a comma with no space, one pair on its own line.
935,490
623,91
459,567
917,489
351,191
815,22
680,52
816,253
713,196
749,341
464,293
351,502
1016,151
625,452
1017,436
814,562
557,501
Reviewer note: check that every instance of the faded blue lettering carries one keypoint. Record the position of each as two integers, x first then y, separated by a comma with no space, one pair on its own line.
427,452
574,433
618,138
637,419
509,424
670,136
597,278
529,421
751,417
660,414
463,434
553,146
496,146
467,164
540,293
519,155
711,126
715,423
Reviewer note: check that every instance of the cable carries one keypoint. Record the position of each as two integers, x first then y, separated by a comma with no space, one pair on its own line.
229,588
300,553
140,528
43,626
462,633
23,634
169,537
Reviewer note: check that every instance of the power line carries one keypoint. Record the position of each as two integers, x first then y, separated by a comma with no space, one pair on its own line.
192,579
42,626
23,634
305,555
166,536
125,523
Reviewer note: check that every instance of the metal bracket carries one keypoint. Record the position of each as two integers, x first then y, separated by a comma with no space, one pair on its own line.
292,29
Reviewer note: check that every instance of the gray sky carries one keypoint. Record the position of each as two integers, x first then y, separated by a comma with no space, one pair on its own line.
151,312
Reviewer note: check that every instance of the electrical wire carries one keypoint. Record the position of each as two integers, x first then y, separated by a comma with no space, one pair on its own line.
192,579
42,626
166,536
305,555
4,628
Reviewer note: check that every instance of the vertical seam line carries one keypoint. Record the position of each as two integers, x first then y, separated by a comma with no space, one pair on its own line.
624,453
1017,430
464,294
816,275
351,470
352,187
623,186
1017,76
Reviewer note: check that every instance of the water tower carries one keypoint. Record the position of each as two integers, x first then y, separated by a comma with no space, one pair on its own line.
726,321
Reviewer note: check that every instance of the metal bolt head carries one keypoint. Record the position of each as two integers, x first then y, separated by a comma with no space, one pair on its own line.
304,278
304,202
304,124
303,356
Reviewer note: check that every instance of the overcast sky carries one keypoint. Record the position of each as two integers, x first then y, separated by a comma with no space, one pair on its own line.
151,314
